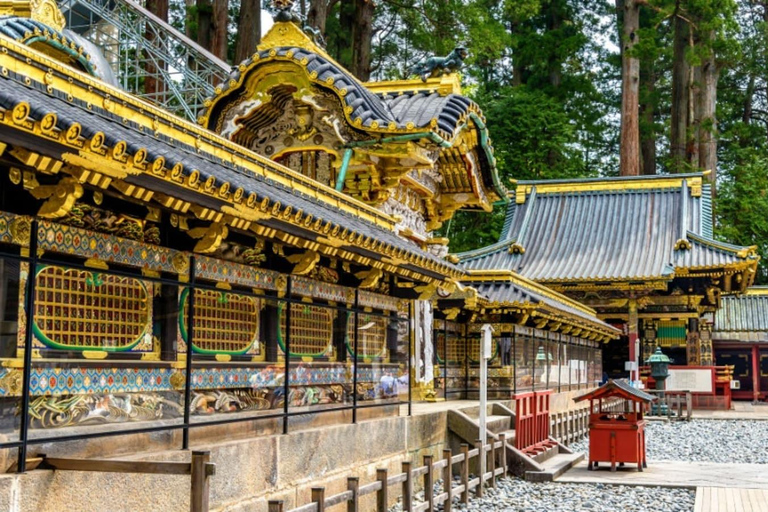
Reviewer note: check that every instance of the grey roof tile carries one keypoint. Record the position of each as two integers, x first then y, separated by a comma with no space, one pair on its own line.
603,235
743,313
96,119
509,292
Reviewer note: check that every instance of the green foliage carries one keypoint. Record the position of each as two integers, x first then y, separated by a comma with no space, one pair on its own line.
742,205
533,134
472,229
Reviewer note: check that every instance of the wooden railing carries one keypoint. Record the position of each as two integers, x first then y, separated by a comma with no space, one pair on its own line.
199,468
496,466
571,426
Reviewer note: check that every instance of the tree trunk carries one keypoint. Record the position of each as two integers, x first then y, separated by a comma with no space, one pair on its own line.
204,23
190,19
362,34
629,149
554,21
317,16
248,29
648,118
219,37
708,75
343,39
679,138
152,84
749,98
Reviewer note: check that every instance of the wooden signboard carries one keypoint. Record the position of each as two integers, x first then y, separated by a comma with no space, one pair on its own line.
696,380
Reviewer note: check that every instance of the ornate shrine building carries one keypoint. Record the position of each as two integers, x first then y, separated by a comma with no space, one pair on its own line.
740,340
639,251
274,263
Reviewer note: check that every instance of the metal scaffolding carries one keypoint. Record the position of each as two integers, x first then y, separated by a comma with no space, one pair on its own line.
148,56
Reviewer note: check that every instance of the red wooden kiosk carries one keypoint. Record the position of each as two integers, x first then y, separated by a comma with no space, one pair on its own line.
616,435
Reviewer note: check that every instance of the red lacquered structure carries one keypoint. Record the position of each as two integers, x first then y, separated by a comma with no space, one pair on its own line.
616,433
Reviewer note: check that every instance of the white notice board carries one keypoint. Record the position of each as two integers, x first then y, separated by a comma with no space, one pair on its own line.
697,380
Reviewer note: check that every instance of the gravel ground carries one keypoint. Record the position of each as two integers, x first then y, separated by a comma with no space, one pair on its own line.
515,495
722,441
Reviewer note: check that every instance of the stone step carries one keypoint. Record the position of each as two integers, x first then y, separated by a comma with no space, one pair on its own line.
498,424
546,452
511,436
554,467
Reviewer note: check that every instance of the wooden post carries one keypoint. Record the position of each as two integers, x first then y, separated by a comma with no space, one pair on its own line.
503,439
318,497
353,484
381,496
429,489
465,473
447,479
201,469
407,488
479,488
275,506
492,462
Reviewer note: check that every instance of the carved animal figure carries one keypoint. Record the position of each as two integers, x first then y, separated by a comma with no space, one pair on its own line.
315,35
435,66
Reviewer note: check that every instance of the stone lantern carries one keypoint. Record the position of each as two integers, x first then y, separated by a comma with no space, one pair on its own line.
659,364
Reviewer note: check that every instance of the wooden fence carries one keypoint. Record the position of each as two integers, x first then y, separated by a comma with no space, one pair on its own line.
199,468
496,465
571,426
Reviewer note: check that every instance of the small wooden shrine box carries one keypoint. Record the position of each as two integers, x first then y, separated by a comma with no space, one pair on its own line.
616,424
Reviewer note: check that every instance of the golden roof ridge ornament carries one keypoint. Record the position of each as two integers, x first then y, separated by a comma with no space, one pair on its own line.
43,11
48,13
290,29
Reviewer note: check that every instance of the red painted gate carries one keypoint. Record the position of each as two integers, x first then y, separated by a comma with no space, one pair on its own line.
532,421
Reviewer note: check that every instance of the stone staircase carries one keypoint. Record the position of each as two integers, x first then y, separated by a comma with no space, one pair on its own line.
541,463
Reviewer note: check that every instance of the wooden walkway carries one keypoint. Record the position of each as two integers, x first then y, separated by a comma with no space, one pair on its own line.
731,499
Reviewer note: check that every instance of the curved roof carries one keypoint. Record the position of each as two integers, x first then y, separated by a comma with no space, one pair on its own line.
421,107
507,289
442,115
184,150
427,114
29,31
614,229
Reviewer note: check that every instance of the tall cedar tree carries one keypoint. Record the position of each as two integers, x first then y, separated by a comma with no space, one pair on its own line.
212,17
153,85
248,29
628,12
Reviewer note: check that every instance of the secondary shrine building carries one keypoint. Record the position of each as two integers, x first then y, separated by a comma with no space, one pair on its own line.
639,251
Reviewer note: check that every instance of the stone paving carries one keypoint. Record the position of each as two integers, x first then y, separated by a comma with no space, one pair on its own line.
675,474
734,440
722,486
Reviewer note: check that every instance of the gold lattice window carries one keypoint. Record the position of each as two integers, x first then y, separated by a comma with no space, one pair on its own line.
474,348
82,310
311,329
371,334
456,346
224,323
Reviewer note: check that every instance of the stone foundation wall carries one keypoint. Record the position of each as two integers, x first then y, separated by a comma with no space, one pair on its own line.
248,472
254,463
